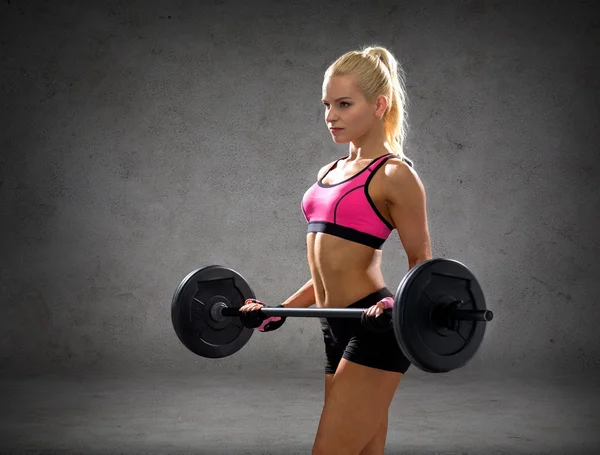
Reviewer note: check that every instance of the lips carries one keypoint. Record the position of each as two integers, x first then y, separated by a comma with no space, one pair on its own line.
336,129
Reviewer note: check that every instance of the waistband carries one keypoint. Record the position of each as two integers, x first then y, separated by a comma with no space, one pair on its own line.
372,298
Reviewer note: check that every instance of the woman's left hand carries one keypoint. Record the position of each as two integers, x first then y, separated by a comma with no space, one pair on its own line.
377,309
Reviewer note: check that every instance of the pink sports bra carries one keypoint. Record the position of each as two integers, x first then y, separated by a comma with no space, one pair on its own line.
345,209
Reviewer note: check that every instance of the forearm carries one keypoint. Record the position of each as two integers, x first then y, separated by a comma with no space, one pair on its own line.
417,260
303,298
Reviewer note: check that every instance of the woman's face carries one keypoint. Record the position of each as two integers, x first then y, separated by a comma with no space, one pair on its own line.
347,108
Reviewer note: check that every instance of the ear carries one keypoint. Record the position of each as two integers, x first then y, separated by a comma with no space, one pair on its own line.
381,106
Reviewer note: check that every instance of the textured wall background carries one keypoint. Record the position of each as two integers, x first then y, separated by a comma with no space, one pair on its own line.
145,139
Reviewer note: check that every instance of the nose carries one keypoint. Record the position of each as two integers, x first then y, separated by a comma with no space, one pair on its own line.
330,116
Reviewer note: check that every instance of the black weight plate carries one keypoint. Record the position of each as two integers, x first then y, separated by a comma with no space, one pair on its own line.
428,346
191,311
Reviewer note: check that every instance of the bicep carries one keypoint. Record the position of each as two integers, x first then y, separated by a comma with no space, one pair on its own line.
407,203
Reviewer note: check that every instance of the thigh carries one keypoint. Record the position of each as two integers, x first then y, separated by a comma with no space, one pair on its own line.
376,350
365,347
328,384
357,401
334,347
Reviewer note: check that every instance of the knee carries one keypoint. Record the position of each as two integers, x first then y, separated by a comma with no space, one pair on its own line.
319,447
318,450
323,448
327,444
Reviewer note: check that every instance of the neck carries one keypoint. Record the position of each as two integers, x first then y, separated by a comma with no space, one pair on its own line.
356,153
370,146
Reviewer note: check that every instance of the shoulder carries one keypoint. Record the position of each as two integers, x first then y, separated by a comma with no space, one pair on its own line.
396,168
325,168
401,179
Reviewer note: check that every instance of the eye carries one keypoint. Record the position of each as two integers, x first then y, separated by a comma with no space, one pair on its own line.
342,103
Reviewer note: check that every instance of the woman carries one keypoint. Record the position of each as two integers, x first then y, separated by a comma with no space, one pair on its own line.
351,210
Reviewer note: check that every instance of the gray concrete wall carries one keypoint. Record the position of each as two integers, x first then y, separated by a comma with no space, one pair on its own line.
142,140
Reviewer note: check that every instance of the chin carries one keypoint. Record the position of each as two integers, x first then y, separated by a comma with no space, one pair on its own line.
340,141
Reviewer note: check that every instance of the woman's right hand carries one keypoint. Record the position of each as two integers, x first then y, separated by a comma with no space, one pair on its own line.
252,305
258,321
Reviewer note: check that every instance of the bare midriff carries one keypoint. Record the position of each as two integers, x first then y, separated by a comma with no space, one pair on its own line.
343,271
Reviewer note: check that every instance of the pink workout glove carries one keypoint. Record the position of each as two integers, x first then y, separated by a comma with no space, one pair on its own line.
253,318
378,317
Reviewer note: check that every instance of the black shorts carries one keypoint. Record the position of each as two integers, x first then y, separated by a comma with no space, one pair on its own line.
347,338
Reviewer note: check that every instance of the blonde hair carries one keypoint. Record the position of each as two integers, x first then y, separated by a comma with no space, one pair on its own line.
379,73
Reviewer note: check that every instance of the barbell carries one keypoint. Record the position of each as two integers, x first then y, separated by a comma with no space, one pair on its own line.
438,317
